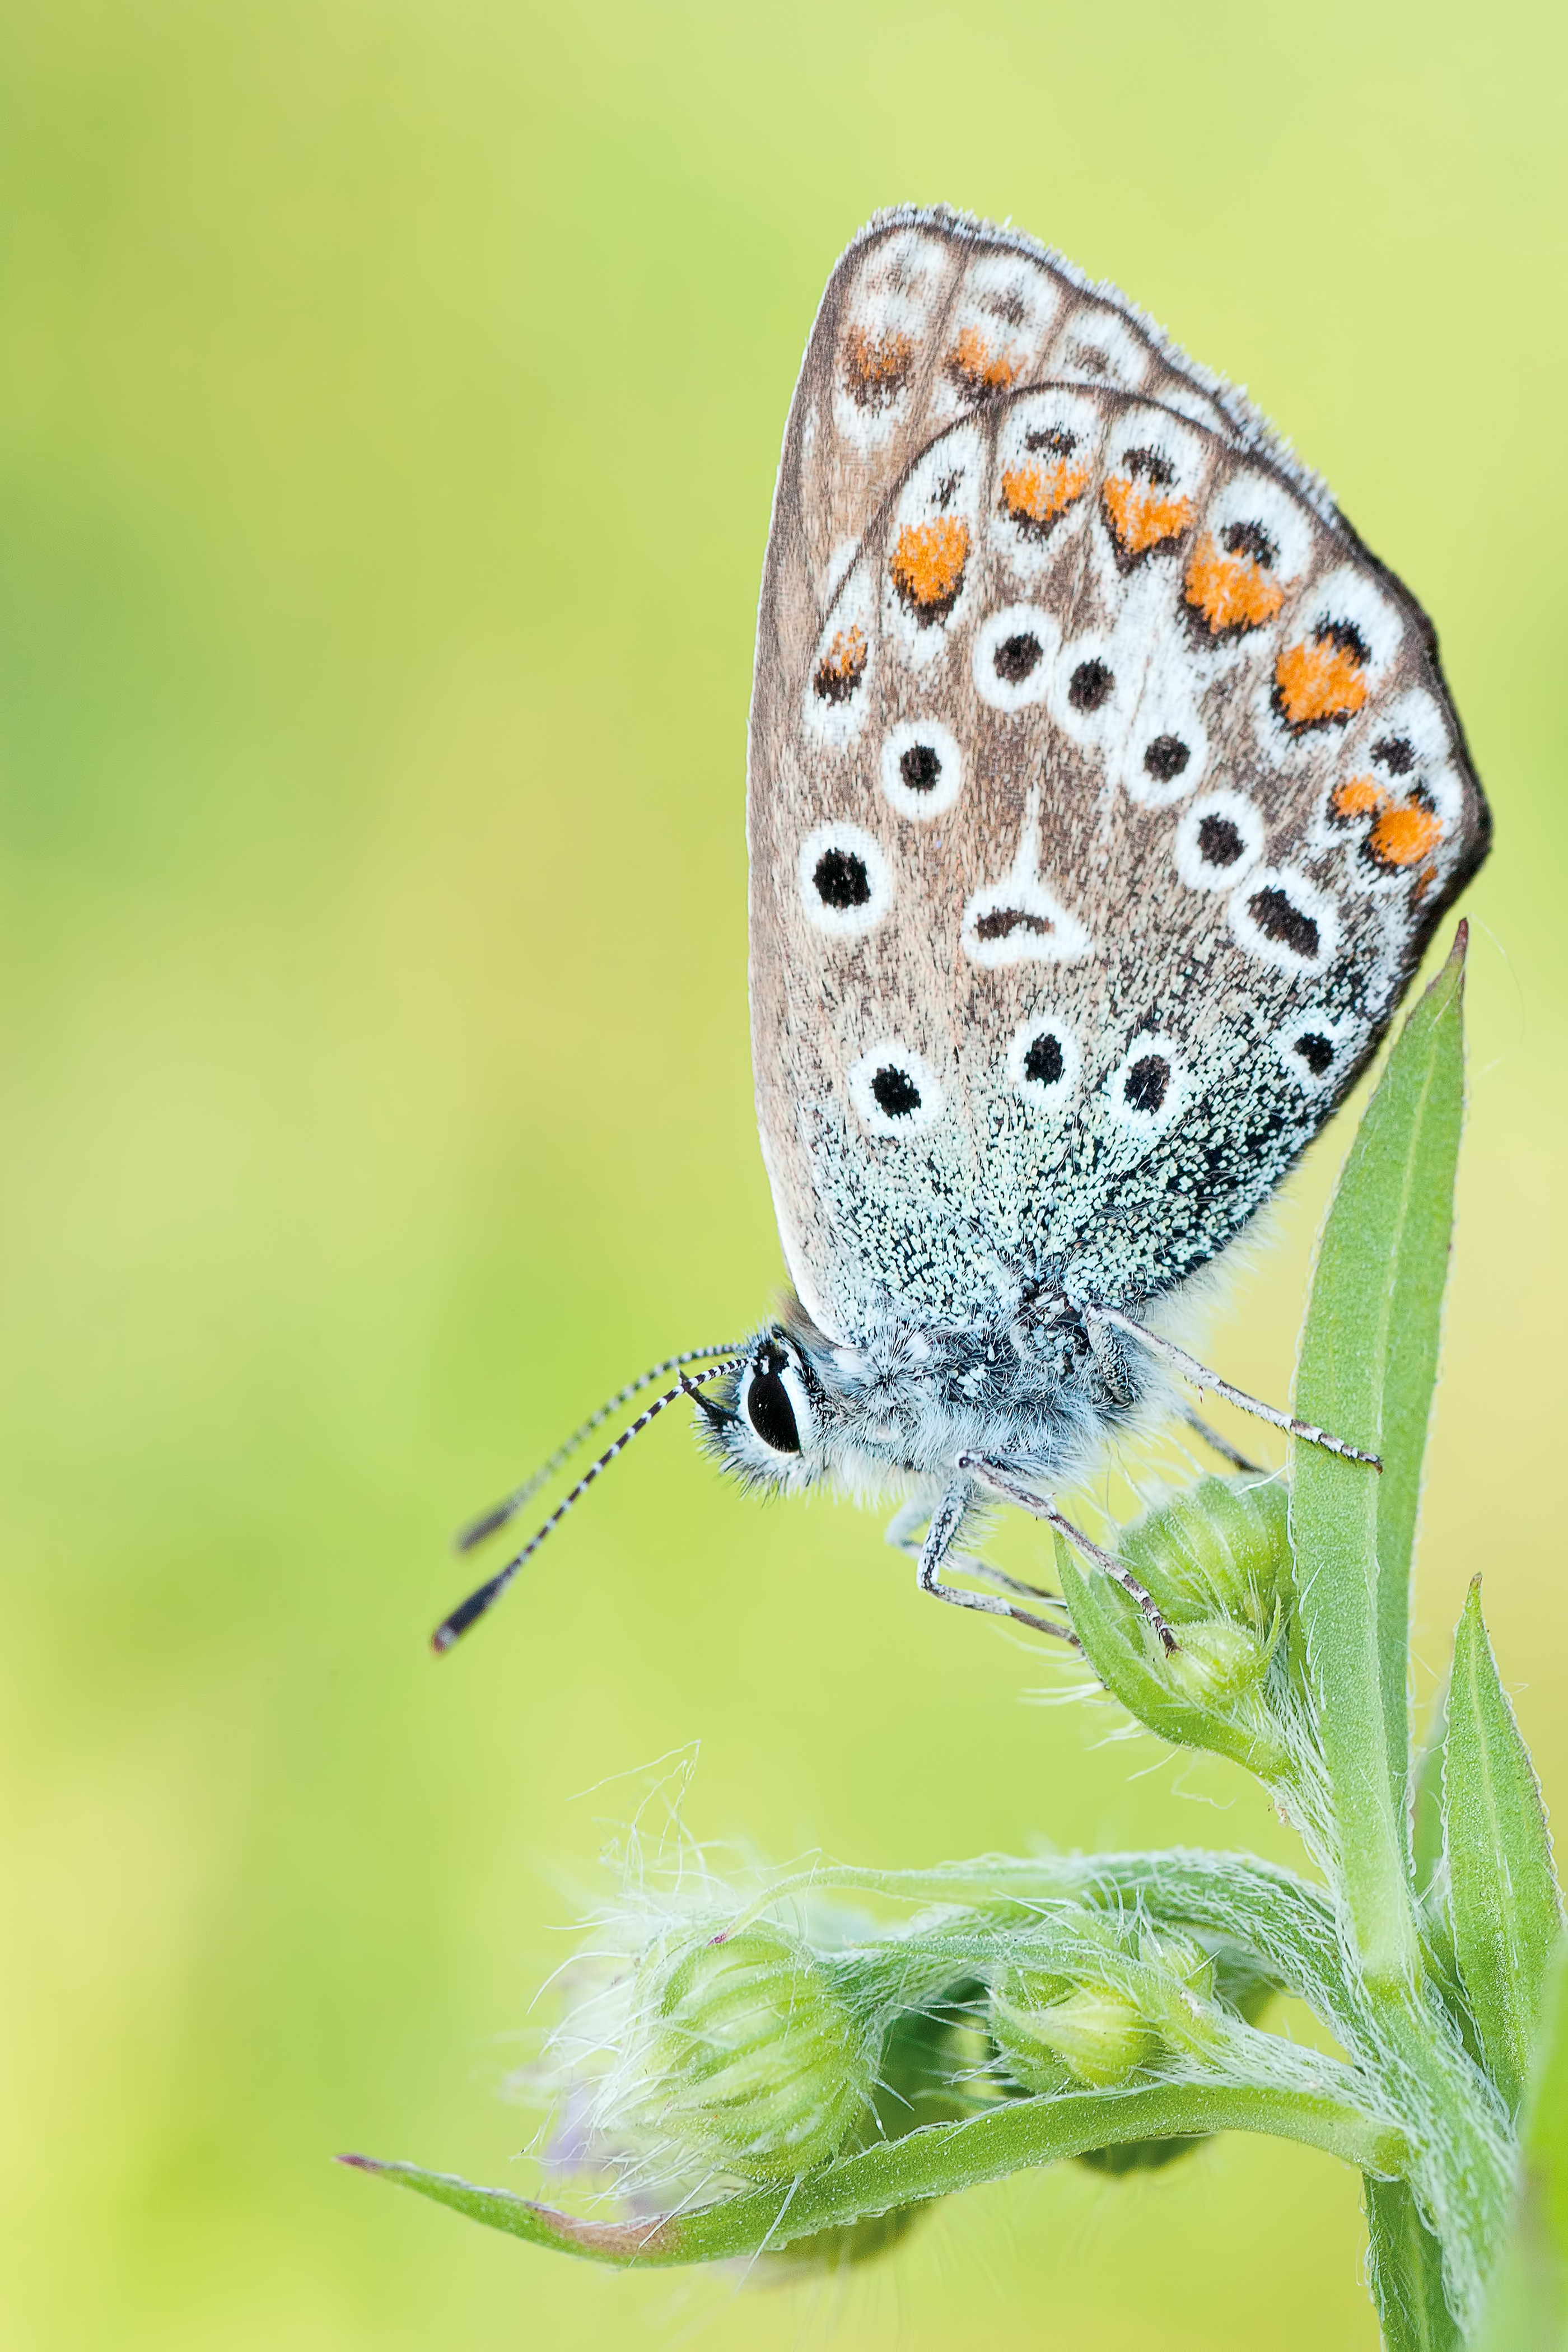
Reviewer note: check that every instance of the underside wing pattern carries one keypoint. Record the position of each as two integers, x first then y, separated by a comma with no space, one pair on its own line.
1103,792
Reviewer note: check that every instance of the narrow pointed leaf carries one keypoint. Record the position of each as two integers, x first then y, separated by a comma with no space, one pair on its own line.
1368,1360
1405,2266
1527,2307
1427,1798
932,2162
1504,1905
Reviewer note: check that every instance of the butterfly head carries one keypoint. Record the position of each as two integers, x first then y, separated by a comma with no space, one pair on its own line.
801,1410
769,1420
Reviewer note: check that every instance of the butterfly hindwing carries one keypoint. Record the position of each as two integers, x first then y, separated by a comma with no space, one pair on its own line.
1103,794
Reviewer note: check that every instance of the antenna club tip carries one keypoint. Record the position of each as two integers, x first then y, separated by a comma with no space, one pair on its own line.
469,1538
441,1639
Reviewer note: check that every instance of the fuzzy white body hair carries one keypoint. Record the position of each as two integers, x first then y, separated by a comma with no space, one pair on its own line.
894,1416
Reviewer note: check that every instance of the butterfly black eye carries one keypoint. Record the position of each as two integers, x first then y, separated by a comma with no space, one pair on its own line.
1147,1082
1088,686
841,879
1219,841
1016,657
1166,758
1316,1050
896,1095
769,1410
920,767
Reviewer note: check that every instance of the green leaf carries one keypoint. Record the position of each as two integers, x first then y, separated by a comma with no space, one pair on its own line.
1369,1352
1427,1798
1528,2308
1503,1901
932,2162
1405,2266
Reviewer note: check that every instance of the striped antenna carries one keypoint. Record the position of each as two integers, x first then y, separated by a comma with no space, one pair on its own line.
509,1505
470,1611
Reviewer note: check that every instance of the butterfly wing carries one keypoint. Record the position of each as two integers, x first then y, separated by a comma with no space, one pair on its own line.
928,315
1103,794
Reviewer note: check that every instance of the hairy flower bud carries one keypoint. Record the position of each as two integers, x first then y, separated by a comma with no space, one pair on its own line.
1178,1999
1052,2036
754,2060
1184,1957
1217,1663
1221,1547
932,2070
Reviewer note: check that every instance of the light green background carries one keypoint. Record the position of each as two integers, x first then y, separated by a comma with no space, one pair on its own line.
390,391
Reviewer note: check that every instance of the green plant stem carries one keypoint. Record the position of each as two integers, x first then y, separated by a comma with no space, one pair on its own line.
1462,2164
937,2161
1405,2266
1288,1922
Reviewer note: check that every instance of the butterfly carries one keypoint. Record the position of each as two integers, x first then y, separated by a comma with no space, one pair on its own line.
1103,794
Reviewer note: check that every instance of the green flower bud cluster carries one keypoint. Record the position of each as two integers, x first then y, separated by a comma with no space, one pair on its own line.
750,2060
1216,1558
1140,2000
756,2053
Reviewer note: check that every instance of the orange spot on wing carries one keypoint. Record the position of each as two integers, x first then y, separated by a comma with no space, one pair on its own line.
1358,796
1037,494
1320,679
842,667
876,367
1142,516
1231,591
1404,836
975,366
927,563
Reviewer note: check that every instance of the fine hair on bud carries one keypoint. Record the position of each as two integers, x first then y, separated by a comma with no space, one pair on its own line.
749,2058
1220,1547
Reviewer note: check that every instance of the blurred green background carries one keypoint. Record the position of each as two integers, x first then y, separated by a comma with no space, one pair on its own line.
390,394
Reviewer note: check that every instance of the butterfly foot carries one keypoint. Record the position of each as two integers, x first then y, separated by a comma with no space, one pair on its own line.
945,1522
1039,1507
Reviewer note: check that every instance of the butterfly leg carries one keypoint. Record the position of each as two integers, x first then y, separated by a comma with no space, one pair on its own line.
1222,1445
1199,1374
904,1531
906,1528
945,1522
1110,1356
1039,1508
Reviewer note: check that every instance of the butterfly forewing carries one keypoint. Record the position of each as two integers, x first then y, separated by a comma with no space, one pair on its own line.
1103,792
